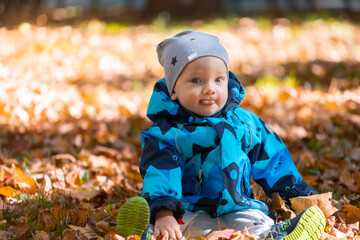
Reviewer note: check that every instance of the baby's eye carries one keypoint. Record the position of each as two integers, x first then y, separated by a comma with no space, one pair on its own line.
195,80
218,80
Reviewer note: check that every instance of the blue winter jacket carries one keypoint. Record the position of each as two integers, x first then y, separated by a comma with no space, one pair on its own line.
205,163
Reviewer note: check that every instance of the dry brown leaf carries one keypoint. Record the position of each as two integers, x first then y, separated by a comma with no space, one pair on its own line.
336,233
59,214
59,179
79,215
323,201
355,154
41,235
352,214
47,221
351,230
87,231
6,235
107,152
84,194
238,235
278,204
113,236
69,234
224,234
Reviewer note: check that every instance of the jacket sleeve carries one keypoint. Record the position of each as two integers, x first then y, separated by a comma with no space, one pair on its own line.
161,170
272,165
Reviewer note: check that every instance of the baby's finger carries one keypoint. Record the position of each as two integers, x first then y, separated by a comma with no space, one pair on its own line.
165,235
178,234
172,235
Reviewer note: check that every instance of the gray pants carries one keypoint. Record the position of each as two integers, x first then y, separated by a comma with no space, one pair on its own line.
201,224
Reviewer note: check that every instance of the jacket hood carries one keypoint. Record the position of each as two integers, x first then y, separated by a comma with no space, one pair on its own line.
161,106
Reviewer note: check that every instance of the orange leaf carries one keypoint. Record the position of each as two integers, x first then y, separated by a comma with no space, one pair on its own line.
21,177
352,213
59,213
133,237
9,191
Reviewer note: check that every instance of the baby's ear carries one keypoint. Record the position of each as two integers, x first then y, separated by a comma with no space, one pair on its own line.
174,96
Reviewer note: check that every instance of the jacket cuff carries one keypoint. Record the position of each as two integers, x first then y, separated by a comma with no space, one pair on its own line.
168,203
301,189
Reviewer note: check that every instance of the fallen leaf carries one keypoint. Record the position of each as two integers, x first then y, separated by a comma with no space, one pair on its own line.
9,191
113,236
86,231
58,213
69,234
339,235
46,220
133,237
355,154
22,179
102,227
84,194
352,214
278,204
323,201
41,235
224,234
6,235
79,215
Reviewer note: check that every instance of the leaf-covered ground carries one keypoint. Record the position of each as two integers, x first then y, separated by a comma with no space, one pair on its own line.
73,102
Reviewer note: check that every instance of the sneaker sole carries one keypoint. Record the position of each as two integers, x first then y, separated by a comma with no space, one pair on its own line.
310,226
133,217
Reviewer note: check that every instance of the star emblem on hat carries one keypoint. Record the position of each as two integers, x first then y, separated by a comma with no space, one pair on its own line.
173,61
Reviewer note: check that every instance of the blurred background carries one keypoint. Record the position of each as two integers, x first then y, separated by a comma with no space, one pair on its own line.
63,61
76,77
69,11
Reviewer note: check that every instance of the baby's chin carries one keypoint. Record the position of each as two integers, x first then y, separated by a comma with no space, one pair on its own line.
206,113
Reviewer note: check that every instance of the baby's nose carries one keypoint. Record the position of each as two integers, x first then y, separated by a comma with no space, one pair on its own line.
209,90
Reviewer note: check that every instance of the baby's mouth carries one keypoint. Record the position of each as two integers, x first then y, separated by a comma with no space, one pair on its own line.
207,102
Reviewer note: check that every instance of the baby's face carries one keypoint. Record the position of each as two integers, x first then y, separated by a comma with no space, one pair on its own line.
202,87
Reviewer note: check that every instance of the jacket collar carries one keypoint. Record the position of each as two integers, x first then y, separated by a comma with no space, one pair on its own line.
161,106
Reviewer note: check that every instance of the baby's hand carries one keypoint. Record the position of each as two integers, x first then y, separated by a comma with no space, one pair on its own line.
167,225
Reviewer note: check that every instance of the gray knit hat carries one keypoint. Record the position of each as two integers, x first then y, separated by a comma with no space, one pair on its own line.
176,52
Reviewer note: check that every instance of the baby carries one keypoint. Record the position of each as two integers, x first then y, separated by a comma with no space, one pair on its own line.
200,153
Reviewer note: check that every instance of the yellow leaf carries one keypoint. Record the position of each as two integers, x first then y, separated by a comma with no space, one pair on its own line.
8,191
21,177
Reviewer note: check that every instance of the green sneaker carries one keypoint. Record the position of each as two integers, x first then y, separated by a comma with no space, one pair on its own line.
133,217
308,225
